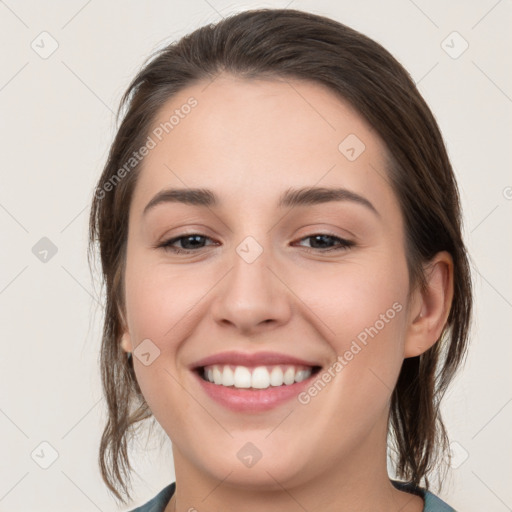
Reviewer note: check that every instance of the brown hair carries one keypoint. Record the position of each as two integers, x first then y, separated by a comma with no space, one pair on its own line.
285,43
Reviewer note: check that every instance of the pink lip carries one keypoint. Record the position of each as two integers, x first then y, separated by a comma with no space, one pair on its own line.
254,359
252,400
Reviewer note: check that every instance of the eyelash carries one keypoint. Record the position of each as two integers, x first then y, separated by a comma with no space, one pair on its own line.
343,246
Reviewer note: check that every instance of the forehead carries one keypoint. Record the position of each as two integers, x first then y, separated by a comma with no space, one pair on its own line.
255,138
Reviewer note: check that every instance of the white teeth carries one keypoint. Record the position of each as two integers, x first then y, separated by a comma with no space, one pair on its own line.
289,376
276,376
217,375
228,378
242,377
301,375
260,377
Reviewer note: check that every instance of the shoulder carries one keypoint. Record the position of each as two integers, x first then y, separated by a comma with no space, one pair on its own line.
435,504
432,502
159,502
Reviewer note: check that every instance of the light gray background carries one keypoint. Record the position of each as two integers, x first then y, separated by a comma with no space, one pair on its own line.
56,125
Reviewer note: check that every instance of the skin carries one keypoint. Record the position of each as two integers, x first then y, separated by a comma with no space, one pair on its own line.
249,141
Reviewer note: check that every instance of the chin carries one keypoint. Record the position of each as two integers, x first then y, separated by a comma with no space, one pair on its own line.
258,466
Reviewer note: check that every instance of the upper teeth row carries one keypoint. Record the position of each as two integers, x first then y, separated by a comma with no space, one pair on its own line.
258,377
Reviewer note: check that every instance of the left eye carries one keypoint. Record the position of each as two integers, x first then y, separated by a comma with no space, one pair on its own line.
194,242
321,237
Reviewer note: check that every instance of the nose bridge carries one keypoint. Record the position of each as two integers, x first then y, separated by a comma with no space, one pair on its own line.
251,263
251,295
250,277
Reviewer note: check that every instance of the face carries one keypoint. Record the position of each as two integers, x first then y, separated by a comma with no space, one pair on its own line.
266,291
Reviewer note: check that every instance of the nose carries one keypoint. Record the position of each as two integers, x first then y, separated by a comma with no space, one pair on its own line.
253,297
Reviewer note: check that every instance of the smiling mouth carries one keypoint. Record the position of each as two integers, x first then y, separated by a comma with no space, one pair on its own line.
256,377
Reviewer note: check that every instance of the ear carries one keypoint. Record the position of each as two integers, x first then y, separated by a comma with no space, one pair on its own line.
126,342
429,308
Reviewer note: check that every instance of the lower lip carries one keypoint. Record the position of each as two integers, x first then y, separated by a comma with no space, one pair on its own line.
253,400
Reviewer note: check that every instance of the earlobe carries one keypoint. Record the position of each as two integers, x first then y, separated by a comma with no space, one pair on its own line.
126,343
431,306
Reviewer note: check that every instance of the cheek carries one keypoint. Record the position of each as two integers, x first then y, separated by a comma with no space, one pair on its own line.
158,299
162,305
360,299
364,310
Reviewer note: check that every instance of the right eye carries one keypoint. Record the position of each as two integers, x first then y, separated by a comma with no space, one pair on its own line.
192,240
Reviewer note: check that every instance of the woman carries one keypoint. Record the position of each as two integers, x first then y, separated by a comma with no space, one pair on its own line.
287,285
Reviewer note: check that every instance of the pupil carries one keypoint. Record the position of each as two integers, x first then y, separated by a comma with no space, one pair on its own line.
319,237
192,237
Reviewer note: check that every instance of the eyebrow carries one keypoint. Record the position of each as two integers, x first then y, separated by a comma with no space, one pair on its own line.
305,196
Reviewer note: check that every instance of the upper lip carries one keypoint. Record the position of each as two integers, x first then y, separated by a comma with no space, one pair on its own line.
251,359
